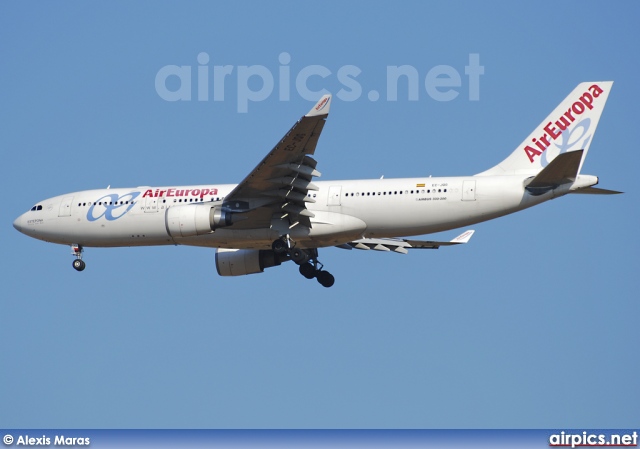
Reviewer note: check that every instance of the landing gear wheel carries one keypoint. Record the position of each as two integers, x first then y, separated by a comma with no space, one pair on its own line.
299,256
307,270
325,278
279,246
79,264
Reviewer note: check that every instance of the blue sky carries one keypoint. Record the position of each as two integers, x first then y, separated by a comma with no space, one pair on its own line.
533,324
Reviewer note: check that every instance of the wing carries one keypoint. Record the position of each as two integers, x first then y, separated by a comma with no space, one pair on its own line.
402,245
278,186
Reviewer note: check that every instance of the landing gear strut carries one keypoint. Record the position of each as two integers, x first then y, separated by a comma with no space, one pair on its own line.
307,259
78,264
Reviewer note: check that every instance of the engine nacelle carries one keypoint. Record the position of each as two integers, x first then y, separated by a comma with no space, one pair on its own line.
196,219
236,262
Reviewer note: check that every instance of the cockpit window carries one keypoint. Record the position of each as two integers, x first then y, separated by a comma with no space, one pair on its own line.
38,207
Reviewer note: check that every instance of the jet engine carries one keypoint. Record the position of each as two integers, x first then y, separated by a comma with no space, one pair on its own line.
196,219
236,262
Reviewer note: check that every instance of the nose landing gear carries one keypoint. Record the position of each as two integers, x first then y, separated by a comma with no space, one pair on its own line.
77,250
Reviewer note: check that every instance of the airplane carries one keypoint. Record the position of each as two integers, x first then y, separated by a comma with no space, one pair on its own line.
280,213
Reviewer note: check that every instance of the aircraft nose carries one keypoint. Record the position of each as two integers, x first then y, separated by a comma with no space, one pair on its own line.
18,223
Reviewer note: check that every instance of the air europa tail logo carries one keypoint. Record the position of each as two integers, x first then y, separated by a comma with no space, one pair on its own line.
553,130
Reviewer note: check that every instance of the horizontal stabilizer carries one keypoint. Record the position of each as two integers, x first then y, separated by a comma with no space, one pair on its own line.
403,245
596,191
562,170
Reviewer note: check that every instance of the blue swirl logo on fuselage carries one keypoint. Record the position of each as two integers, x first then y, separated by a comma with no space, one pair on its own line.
112,206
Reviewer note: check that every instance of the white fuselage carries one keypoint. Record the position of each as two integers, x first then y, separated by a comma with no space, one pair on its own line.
344,211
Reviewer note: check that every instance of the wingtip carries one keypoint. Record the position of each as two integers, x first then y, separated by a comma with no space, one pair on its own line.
464,237
321,107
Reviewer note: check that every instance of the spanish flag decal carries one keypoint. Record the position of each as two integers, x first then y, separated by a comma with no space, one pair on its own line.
419,185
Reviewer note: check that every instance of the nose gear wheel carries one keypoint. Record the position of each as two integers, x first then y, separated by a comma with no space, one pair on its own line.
77,250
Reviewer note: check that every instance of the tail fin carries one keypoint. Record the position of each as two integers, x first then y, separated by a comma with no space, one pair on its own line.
569,127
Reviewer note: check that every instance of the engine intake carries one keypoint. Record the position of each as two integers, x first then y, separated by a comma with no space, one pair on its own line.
237,262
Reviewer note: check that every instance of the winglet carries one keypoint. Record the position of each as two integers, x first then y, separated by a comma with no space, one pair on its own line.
321,107
464,237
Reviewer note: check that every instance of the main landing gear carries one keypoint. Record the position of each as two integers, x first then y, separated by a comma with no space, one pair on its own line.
307,259
77,250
